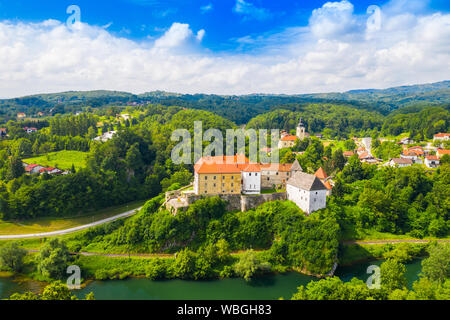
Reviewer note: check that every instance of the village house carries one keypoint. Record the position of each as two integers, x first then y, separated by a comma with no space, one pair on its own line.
406,140
412,154
2,132
441,152
441,137
30,130
432,161
307,192
348,154
50,170
323,177
400,162
21,115
288,140
106,136
32,168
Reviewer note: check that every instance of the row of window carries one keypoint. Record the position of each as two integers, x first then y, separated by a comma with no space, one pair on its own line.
223,177
223,191
223,185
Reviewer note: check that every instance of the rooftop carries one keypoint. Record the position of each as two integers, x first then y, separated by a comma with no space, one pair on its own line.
306,181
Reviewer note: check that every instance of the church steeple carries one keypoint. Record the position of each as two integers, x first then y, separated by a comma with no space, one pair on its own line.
301,130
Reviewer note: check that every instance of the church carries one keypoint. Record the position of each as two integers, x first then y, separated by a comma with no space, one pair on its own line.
288,140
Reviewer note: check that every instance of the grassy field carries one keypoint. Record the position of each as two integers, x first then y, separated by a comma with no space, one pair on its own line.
48,224
61,159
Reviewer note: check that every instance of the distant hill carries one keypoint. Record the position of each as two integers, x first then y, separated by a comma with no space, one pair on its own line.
239,109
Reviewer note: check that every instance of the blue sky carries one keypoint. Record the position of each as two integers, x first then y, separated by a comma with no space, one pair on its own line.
223,47
140,19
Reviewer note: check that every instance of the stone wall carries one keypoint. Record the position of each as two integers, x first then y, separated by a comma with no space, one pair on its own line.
252,201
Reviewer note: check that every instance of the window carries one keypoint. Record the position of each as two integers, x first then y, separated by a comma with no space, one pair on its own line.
256,174
232,184
206,177
249,174
214,184
223,184
205,191
223,177
214,177
277,173
268,178
232,177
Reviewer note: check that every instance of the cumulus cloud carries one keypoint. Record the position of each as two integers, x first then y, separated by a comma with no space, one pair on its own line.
321,57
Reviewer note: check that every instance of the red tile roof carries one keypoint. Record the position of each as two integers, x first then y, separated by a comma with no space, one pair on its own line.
321,174
432,158
442,135
252,167
348,153
289,138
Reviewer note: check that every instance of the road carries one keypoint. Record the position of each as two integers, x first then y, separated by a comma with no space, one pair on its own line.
67,231
391,241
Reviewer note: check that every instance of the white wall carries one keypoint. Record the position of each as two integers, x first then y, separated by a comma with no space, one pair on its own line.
308,201
251,182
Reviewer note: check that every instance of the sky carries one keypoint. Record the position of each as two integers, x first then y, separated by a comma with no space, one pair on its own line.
221,47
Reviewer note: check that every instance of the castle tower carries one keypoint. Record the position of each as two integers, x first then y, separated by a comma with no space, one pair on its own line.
301,130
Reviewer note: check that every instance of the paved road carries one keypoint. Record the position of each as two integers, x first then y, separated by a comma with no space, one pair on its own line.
67,231
391,241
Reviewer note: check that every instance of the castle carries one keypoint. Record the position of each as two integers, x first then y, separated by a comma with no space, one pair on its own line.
235,175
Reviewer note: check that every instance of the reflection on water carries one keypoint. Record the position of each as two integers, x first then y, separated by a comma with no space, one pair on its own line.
267,287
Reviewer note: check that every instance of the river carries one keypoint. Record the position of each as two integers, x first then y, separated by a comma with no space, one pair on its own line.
267,287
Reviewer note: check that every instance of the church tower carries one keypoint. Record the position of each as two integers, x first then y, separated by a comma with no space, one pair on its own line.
301,131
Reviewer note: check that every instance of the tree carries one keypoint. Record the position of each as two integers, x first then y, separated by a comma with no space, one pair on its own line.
249,264
437,266
338,159
53,259
57,291
184,264
15,168
11,256
392,275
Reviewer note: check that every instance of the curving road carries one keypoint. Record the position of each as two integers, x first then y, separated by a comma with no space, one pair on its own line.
67,231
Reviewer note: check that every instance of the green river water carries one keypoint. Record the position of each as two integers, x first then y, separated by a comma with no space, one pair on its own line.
267,287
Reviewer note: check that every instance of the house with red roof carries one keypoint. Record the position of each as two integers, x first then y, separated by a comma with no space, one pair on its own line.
287,141
441,137
50,170
441,152
33,168
432,161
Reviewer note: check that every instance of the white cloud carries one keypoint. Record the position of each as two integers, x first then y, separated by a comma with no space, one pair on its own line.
206,8
322,57
250,11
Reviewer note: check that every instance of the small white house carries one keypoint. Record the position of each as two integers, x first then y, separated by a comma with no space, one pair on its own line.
400,162
307,192
441,137
251,179
432,161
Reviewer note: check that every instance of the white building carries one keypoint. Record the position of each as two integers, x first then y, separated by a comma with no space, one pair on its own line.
301,130
400,162
432,161
307,192
106,136
441,137
251,179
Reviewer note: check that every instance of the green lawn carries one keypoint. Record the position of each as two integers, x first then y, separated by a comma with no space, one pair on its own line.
61,159
48,224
